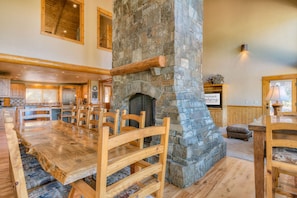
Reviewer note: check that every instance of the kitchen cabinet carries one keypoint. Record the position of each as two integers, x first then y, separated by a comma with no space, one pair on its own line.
17,91
4,87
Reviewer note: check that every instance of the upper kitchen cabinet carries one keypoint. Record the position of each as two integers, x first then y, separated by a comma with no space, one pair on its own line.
17,91
4,87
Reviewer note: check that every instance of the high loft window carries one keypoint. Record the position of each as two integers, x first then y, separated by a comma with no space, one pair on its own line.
63,19
104,28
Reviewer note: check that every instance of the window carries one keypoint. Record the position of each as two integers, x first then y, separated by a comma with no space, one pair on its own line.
39,95
63,19
107,94
288,91
104,28
285,87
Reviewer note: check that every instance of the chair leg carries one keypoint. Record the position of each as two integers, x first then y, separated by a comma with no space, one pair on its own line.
74,194
269,184
275,177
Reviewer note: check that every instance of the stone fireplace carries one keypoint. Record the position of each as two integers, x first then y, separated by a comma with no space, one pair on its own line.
172,28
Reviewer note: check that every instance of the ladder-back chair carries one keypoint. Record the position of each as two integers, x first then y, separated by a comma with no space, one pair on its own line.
281,149
33,114
82,116
51,188
115,153
111,120
66,111
125,124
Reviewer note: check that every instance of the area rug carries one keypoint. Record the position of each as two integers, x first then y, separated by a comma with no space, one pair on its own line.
238,148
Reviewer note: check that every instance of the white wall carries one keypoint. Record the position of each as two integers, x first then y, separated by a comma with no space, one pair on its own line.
269,27
20,35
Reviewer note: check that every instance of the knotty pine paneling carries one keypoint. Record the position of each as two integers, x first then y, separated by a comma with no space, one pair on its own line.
243,114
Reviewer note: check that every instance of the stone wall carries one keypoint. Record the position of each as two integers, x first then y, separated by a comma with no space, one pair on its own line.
143,29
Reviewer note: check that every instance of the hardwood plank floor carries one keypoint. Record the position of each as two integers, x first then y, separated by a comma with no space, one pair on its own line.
230,177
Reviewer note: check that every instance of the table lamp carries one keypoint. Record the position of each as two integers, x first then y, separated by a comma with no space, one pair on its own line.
274,95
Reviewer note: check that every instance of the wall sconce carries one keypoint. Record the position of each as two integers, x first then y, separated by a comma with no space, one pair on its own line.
274,95
244,48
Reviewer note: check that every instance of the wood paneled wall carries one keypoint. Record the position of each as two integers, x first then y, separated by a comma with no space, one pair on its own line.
243,114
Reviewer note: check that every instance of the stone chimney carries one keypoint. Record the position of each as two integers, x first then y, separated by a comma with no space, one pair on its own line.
171,28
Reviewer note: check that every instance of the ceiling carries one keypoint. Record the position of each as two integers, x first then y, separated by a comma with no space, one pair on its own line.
29,73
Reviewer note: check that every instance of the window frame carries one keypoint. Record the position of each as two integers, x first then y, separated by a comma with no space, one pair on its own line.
108,15
266,85
81,23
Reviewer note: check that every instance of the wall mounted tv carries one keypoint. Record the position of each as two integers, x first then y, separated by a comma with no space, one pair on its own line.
213,99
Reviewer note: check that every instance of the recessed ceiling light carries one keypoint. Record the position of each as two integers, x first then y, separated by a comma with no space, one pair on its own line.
65,31
74,5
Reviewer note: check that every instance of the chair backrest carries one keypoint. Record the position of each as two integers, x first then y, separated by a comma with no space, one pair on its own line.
74,114
111,120
281,136
82,115
93,117
125,124
15,162
66,111
115,154
33,114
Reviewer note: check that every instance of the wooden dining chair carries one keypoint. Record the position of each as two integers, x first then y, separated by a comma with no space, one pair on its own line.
115,153
66,111
93,117
82,116
21,173
138,122
111,120
74,114
281,149
33,114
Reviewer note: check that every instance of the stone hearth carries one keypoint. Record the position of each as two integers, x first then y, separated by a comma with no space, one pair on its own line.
173,28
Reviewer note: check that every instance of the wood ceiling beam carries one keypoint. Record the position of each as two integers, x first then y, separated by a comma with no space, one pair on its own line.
158,61
51,64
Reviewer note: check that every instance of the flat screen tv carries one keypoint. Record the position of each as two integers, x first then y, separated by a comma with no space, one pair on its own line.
213,99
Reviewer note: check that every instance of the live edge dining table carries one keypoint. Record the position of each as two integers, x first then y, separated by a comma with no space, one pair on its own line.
259,128
67,152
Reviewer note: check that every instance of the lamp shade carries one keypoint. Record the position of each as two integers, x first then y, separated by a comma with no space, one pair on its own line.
273,94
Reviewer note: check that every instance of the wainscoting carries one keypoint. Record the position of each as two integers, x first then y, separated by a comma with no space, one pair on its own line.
243,114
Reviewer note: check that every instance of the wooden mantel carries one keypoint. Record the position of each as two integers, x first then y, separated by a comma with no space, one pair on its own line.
158,61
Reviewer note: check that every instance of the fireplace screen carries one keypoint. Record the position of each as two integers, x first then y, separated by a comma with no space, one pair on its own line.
140,102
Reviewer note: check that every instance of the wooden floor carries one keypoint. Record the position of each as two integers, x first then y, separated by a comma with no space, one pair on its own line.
231,177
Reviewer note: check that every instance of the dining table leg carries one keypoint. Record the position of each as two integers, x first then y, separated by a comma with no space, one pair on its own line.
259,138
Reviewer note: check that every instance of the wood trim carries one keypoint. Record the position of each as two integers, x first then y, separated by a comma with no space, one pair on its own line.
279,77
243,114
158,61
51,64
